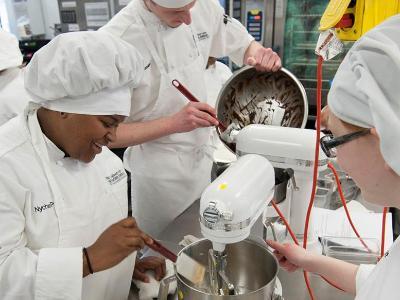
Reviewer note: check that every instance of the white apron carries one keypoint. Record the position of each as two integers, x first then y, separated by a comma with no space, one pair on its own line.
169,174
80,225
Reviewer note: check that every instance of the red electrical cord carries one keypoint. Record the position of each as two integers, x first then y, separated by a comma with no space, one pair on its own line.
310,291
342,198
293,236
316,159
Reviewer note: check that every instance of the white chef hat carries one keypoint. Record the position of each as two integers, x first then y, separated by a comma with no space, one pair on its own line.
10,55
366,88
173,3
85,73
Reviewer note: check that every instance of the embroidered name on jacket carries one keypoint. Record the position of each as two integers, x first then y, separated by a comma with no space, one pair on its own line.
116,177
203,36
43,207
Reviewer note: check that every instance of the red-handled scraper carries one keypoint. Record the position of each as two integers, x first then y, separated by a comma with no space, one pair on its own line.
185,265
192,98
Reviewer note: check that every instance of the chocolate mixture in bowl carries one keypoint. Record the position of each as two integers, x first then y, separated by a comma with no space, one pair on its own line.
252,97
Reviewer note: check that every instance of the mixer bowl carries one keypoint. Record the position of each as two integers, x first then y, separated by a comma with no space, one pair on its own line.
251,97
251,268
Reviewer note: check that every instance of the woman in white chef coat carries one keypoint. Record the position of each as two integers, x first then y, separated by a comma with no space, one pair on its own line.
63,195
13,97
170,165
363,114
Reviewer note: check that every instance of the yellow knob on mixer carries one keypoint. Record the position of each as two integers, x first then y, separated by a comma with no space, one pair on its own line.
223,186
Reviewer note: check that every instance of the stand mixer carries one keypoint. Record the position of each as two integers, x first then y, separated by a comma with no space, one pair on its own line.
233,202
276,139
229,207
291,150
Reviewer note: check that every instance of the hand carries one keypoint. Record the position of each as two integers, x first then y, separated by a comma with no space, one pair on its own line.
192,116
154,263
265,59
115,243
290,256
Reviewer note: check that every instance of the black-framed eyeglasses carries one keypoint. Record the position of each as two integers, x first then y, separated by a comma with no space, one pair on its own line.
329,142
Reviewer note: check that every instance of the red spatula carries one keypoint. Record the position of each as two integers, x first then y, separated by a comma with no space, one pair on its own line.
192,98
185,265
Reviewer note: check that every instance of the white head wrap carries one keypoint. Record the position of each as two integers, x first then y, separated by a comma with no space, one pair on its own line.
173,3
366,88
85,73
10,55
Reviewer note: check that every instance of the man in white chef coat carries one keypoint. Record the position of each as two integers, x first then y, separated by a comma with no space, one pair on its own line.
63,195
171,163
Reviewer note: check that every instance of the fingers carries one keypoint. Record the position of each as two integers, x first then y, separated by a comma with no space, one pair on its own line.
136,233
202,114
251,61
129,222
277,64
205,117
265,59
138,275
203,107
157,264
135,243
160,268
287,265
275,245
199,122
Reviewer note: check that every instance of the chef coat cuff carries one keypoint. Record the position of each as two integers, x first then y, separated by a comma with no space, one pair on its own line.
59,274
362,274
238,56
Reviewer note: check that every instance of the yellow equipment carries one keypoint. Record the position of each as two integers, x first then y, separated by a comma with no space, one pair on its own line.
353,18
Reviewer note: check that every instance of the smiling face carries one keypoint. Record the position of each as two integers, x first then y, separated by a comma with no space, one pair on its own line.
173,17
83,136
361,158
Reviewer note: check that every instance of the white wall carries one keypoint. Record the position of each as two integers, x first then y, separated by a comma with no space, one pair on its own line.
51,16
42,15
4,16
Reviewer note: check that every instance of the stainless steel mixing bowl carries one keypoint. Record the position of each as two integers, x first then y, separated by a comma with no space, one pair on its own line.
239,99
251,268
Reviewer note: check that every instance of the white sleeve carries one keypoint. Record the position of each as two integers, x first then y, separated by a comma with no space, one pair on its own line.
47,273
230,37
51,282
362,274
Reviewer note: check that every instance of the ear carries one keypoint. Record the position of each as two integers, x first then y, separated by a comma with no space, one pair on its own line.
324,118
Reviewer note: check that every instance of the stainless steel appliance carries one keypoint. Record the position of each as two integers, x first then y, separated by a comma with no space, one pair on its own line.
87,14
251,268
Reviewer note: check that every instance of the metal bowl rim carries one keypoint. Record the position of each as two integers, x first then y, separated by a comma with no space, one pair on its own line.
251,240
286,72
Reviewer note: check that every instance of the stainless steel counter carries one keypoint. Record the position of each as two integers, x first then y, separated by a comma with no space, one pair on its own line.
293,284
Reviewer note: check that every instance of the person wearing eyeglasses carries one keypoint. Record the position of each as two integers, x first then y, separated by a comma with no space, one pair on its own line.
363,115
